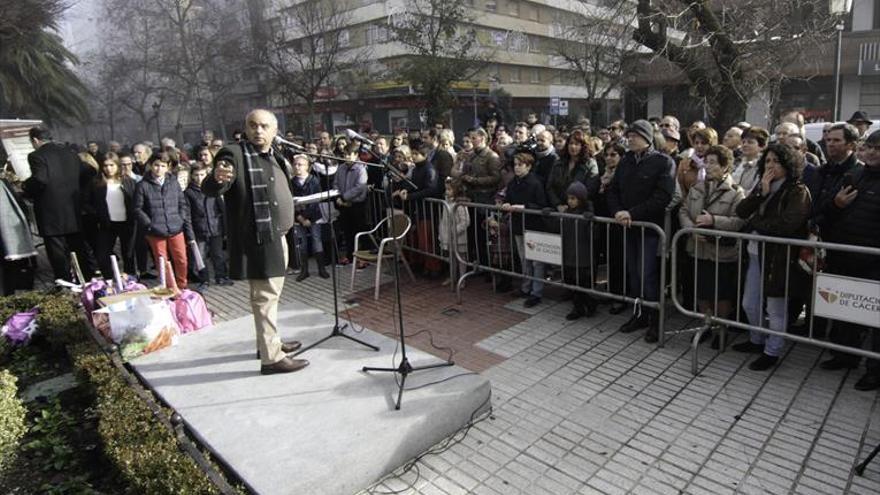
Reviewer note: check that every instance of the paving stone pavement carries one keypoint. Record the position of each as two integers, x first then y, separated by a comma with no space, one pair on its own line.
581,408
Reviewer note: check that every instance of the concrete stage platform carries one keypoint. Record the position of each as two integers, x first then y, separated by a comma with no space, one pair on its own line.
328,429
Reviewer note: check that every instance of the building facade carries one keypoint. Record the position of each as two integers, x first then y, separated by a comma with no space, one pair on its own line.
522,75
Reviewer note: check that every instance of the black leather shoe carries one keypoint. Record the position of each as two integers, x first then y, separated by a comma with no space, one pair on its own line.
574,315
286,365
871,381
652,335
287,347
763,363
634,323
748,346
838,363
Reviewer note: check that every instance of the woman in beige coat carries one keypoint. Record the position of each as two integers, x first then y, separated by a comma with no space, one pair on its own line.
711,204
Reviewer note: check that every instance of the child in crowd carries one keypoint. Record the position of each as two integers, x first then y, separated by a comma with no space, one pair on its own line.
525,191
351,182
577,250
163,213
456,223
307,216
206,214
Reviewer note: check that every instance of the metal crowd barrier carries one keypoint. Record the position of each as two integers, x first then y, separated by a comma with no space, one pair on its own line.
793,249
430,211
491,249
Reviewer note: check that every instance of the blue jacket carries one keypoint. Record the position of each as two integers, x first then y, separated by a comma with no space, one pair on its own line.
162,210
642,185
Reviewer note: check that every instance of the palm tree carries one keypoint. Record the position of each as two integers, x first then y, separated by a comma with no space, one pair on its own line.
36,79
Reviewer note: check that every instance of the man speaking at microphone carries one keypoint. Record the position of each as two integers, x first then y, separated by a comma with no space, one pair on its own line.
255,183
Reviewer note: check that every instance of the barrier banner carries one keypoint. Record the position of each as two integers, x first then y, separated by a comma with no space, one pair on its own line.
543,247
849,299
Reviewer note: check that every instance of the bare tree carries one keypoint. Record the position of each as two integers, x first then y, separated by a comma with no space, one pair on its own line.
445,50
732,50
593,44
308,53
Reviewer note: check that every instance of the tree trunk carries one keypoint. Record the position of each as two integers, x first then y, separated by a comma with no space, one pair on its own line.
727,110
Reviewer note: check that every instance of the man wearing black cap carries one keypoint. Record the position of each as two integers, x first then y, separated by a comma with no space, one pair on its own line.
855,215
640,190
861,121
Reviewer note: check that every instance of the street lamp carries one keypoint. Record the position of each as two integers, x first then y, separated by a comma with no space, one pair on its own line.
838,9
156,106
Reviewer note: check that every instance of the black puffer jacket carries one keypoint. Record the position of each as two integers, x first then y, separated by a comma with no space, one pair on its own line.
205,212
576,247
642,185
162,210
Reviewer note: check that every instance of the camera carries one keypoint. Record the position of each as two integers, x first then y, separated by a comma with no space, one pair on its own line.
530,145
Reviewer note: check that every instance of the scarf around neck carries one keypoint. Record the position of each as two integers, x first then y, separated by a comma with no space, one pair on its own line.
256,181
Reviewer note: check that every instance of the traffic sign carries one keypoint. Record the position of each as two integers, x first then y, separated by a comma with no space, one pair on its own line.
563,107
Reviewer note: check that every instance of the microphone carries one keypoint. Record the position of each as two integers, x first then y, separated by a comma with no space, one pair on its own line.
354,136
280,140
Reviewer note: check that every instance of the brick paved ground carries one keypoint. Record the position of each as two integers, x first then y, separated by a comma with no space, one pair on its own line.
580,408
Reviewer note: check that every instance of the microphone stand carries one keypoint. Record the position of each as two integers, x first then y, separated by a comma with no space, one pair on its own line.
404,368
337,328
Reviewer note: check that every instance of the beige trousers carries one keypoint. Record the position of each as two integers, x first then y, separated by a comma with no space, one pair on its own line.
265,294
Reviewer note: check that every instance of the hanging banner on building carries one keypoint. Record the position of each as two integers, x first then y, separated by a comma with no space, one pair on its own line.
855,300
543,247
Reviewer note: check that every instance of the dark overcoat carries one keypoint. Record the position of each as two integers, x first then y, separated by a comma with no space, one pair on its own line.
54,188
247,258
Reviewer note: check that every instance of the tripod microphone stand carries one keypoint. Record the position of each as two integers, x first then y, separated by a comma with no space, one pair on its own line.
337,328
404,369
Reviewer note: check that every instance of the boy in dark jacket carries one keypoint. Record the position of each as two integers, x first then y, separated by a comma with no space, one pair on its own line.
525,191
577,250
426,181
207,222
163,213
307,216
640,190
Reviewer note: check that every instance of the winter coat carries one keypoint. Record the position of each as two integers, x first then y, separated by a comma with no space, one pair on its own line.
785,215
746,176
720,201
482,175
859,223
577,250
442,161
311,212
459,222
544,165
827,183
642,185
54,187
247,258
205,211
561,177
529,192
424,177
351,182
162,210
97,201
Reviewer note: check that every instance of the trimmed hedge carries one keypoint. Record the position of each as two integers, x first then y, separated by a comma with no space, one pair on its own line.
145,452
12,419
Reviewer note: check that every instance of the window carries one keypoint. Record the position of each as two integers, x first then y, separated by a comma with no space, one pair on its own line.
536,75
377,33
514,74
513,8
344,38
491,6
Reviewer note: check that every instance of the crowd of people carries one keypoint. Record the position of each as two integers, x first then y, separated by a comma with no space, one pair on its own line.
775,183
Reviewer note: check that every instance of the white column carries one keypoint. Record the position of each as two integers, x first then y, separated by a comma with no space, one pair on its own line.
850,95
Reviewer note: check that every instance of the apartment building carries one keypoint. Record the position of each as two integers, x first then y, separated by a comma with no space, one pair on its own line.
519,35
